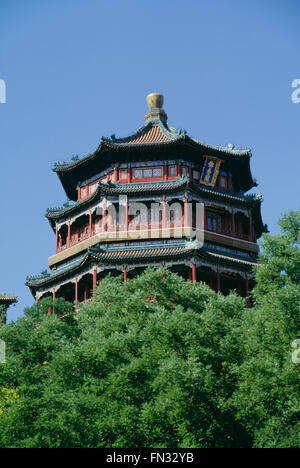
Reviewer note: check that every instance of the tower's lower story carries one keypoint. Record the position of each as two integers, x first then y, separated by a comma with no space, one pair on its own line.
77,279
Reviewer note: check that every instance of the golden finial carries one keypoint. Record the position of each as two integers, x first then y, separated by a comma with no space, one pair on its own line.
155,113
155,101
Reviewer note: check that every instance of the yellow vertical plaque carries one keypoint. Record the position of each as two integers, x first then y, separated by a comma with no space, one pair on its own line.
210,171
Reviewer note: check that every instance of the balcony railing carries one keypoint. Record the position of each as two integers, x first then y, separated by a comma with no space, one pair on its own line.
136,226
228,232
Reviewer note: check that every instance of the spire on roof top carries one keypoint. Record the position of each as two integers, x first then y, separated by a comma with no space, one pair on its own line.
155,102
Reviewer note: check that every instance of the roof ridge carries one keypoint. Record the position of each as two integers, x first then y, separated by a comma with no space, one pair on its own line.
152,132
225,149
179,182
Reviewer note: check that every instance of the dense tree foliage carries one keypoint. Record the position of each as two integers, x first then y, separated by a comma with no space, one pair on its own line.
161,362
131,370
268,399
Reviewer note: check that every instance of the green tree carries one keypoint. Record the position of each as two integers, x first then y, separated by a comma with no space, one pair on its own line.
147,364
161,362
267,399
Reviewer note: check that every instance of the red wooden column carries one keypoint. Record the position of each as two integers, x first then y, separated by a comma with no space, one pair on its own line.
248,302
194,277
116,174
218,281
104,216
125,275
129,175
179,170
165,172
232,224
239,289
94,281
250,228
69,235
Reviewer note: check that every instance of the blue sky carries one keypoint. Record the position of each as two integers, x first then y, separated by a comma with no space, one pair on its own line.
79,69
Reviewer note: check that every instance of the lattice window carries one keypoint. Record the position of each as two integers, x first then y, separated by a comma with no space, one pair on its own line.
138,173
172,171
147,173
157,172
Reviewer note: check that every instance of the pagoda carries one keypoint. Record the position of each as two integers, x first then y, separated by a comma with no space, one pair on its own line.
133,203
5,302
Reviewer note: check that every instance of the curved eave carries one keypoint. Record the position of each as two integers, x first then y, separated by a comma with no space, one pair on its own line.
61,213
35,283
124,257
221,151
172,136
225,259
8,299
69,166
71,173
93,254
259,226
158,187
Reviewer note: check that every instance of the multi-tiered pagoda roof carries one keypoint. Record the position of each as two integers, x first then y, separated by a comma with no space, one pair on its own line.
154,136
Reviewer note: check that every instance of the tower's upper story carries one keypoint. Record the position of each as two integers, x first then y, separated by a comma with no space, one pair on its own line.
135,203
155,162
156,152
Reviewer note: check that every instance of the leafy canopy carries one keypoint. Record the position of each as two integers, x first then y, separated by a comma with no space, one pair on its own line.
146,364
161,362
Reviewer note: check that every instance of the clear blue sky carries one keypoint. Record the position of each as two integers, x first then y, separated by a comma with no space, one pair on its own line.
79,69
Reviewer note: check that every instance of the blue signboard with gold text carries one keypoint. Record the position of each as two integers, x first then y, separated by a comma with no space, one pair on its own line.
210,171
